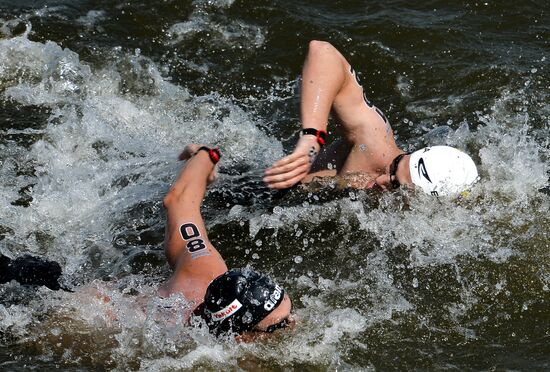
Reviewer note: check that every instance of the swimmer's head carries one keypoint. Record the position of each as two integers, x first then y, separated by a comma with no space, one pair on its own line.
442,170
243,300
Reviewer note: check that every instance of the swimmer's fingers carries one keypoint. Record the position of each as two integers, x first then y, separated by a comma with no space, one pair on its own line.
286,183
287,164
293,168
189,151
306,151
289,159
287,171
289,178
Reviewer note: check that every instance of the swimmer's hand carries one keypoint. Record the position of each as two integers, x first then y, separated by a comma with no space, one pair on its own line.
189,151
293,168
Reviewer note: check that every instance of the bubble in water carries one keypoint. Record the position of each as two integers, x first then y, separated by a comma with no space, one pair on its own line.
415,283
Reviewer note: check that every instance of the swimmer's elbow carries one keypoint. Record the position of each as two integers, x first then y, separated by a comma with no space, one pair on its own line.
318,44
167,200
172,198
318,47
186,196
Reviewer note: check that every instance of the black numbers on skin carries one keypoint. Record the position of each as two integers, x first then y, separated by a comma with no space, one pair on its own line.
356,76
189,231
191,234
381,115
367,100
195,245
369,103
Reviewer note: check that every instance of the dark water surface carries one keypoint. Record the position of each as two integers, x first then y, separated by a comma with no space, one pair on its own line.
98,97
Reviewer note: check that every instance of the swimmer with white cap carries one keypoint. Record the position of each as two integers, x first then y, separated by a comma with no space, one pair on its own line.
368,156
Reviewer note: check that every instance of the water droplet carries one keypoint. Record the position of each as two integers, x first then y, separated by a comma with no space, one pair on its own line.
55,331
259,243
298,259
415,283
247,317
255,256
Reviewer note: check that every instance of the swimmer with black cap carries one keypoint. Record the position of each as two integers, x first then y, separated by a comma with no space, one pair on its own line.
230,301
368,156
238,301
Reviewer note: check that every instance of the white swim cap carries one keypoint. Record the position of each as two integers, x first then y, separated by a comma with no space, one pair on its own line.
442,170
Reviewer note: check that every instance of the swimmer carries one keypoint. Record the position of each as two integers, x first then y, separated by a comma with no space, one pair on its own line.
236,301
367,156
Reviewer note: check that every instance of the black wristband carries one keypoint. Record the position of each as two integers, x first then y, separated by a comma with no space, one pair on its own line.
214,154
321,135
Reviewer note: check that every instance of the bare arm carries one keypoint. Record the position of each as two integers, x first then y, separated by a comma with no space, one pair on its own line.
188,250
329,83
324,79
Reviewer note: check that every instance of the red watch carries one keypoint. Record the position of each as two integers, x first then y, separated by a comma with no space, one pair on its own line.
321,135
214,154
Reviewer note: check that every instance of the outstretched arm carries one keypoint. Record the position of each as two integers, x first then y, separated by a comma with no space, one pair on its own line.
189,252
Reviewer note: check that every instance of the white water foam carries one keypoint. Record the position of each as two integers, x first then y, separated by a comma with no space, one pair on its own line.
233,34
110,142
92,18
97,135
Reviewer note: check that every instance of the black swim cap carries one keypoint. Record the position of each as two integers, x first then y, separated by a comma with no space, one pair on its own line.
239,299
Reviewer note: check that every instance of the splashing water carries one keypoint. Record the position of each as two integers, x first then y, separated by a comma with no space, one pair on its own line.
88,150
